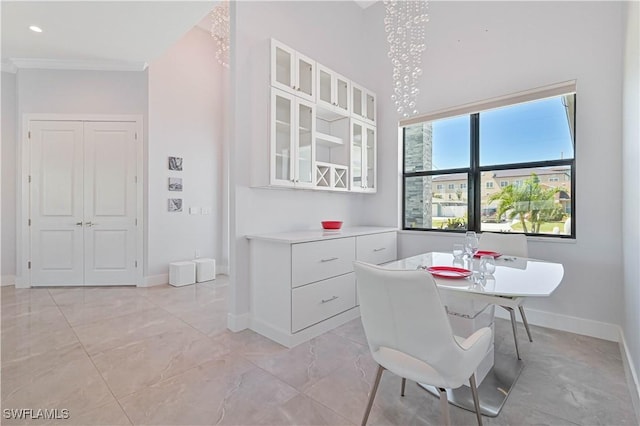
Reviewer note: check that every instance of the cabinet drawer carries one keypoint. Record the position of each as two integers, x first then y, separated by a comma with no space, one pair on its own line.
319,260
377,248
318,301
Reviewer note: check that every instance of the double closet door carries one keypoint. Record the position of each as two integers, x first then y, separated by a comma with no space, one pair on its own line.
82,203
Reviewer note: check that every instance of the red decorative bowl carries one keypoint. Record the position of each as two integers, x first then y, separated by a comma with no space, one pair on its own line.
331,224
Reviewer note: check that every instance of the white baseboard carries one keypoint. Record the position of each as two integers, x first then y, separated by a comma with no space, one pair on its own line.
238,322
22,282
585,327
7,280
285,338
153,280
631,373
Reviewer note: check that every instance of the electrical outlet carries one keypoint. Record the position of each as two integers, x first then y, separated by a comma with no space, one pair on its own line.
206,210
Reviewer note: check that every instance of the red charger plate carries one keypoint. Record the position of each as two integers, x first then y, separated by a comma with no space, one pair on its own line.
449,272
331,224
481,253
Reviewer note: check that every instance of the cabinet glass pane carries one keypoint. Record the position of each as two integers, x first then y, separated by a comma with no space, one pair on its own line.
371,107
356,156
283,67
325,86
305,158
342,93
283,138
357,101
371,158
305,77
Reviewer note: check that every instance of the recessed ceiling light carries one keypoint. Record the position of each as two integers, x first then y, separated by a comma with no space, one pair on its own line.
35,29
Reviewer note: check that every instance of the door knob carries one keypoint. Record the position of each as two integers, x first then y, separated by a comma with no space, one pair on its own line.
78,223
90,224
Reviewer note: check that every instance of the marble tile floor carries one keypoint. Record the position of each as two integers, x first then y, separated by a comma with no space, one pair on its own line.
162,356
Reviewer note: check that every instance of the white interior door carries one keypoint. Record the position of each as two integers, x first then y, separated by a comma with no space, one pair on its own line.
57,245
109,203
83,203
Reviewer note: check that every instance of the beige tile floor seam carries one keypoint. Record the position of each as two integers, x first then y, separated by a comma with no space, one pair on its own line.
300,393
168,314
94,366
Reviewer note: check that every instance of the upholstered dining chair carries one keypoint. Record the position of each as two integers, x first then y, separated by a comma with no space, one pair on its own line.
510,245
409,333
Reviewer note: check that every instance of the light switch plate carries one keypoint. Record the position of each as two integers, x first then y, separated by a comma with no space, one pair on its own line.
194,210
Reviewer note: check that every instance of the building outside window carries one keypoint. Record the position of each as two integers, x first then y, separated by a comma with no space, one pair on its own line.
527,147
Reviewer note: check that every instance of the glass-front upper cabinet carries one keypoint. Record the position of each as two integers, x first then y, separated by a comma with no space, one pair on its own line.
363,157
305,146
282,137
333,90
292,140
292,71
363,104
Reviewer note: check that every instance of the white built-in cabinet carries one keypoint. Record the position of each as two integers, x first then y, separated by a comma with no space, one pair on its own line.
292,146
292,71
333,91
363,157
323,131
303,284
363,103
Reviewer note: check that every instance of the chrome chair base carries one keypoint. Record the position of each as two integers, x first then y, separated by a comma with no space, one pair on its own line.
492,392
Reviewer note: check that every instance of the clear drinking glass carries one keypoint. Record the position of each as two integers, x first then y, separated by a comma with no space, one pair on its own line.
487,265
458,251
470,243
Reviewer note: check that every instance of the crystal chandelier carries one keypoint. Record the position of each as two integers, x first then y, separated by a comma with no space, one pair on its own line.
220,31
404,24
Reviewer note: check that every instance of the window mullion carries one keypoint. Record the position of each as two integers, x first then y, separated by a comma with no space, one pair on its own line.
475,191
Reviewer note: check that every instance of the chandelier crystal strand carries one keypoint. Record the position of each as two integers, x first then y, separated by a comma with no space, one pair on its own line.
404,24
220,32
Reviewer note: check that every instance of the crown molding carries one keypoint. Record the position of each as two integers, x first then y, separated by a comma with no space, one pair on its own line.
82,65
8,66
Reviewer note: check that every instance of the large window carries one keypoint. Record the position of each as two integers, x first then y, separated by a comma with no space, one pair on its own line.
508,169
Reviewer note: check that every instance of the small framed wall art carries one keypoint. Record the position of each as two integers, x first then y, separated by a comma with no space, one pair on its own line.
175,163
175,204
175,184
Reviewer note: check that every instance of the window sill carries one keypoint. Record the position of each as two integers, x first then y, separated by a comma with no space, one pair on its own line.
461,234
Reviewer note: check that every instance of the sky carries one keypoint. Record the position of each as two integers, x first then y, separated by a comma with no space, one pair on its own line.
533,131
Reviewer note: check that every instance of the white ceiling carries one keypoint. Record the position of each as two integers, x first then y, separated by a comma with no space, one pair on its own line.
133,32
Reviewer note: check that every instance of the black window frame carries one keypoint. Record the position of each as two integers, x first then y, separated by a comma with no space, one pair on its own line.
474,176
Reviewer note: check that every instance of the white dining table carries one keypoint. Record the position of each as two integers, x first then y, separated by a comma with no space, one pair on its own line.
514,277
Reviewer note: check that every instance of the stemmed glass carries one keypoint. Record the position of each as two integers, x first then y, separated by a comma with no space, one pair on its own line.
470,243
487,266
458,251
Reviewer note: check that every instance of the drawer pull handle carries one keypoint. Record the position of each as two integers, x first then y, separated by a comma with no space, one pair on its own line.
329,259
329,300
380,249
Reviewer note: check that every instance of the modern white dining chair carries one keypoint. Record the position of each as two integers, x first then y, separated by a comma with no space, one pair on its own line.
409,333
510,245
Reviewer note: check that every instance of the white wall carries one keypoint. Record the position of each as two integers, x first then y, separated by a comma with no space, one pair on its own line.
631,185
328,32
480,50
8,155
185,120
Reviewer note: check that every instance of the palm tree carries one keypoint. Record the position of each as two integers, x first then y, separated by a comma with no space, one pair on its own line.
527,201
